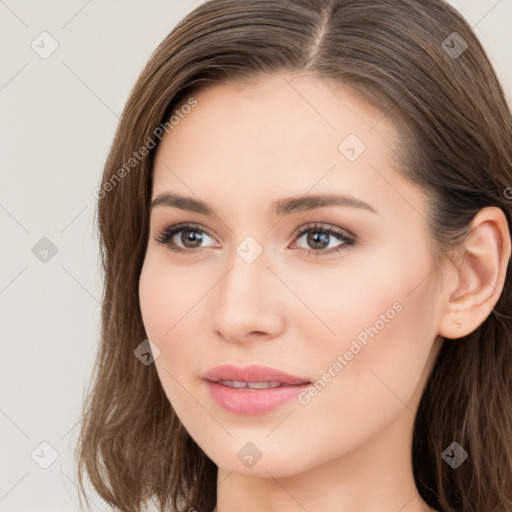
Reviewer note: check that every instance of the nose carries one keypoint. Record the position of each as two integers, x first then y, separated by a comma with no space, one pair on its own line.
248,303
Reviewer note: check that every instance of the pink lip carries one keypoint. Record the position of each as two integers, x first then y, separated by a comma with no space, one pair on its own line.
252,401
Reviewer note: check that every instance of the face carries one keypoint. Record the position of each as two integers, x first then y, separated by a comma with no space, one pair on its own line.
339,294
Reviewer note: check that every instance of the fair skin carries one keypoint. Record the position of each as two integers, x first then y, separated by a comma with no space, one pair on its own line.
242,147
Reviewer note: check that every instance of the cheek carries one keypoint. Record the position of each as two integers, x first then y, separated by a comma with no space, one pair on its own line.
383,320
165,299
153,302
172,301
165,294
389,287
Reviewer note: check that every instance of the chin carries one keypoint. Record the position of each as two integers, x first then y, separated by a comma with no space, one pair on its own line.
273,461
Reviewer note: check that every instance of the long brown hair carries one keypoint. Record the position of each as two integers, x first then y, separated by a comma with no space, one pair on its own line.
418,62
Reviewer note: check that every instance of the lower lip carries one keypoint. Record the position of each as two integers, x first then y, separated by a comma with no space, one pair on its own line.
252,401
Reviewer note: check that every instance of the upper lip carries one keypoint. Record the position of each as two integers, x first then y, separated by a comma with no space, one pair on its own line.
251,373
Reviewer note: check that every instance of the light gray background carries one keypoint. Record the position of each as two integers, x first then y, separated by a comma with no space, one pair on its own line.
58,117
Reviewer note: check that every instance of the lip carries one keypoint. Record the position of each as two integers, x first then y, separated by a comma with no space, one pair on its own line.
251,373
252,401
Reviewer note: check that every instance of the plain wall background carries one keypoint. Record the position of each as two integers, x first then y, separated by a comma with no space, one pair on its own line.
58,117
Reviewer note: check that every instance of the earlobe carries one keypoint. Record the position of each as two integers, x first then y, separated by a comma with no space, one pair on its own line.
479,274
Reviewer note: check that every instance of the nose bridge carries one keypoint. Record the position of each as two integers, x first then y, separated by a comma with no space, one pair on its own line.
248,272
245,299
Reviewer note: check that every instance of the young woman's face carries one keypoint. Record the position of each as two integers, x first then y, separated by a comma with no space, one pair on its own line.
338,293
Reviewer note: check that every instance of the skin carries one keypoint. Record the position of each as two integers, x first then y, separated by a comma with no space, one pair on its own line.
243,146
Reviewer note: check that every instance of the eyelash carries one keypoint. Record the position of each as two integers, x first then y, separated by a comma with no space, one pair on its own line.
165,237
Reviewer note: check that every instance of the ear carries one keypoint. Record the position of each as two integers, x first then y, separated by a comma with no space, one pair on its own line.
478,274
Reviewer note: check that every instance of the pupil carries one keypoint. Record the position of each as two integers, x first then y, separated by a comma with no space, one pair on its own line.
192,237
315,238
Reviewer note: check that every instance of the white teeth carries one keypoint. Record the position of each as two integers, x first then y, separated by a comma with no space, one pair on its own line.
263,385
233,383
251,385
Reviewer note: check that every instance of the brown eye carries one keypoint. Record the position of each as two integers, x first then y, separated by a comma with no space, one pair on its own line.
183,237
191,239
319,237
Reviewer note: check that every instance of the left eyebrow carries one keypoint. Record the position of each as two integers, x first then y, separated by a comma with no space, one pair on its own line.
279,207
303,203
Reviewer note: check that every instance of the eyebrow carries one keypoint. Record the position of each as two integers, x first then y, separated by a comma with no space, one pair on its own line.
279,207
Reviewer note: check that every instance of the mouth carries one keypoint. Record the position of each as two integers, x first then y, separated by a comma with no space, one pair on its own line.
237,384
253,389
253,376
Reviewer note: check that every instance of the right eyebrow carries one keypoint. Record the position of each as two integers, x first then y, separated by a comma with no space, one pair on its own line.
280,207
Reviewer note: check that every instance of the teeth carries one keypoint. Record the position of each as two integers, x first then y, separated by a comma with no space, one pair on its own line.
263,385
233,383
250,385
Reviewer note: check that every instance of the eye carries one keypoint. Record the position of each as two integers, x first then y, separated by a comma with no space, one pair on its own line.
320,237
191,236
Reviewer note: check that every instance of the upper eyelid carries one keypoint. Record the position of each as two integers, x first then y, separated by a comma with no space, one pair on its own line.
324,226
191,226
300,231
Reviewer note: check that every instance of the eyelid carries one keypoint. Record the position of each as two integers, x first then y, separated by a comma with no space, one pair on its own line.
165,234
347,238
324,226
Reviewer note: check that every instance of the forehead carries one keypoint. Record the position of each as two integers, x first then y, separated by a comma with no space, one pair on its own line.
280,134
277,101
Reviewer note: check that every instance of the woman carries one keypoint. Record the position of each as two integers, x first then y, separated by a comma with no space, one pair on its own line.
305,229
